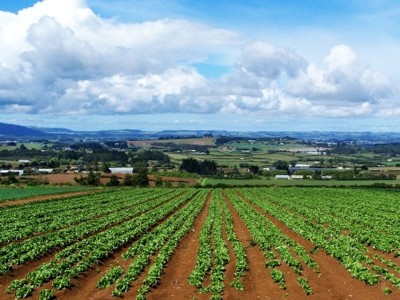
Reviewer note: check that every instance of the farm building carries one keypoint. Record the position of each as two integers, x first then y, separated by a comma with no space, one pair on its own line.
45,171
287,177
16,172
297,177
121,170
24,161
302,166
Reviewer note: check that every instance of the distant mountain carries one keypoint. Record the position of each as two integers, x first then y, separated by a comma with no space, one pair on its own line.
11,130
55,130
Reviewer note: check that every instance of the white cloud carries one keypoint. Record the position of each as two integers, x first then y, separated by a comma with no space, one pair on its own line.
267,60
345,81
59,57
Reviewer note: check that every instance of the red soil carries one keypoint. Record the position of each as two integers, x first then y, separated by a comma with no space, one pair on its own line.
68,178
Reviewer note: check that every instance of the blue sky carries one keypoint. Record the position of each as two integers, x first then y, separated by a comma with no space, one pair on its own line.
235,65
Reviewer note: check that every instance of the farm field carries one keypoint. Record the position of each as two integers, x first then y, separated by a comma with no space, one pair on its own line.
186,243
262,181
9,194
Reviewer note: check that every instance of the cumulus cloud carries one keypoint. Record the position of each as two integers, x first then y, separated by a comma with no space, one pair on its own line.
59,56
267,60
343,83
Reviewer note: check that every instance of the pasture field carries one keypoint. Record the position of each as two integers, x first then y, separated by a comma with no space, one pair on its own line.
186,243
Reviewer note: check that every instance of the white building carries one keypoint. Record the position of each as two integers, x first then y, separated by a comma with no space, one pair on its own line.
286,177
303,166
24,161
6,172
121,170
45,171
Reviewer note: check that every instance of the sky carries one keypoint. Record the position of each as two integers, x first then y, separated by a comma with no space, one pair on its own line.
242,65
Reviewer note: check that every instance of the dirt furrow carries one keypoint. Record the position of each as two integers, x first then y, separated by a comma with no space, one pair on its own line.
174,283
257,280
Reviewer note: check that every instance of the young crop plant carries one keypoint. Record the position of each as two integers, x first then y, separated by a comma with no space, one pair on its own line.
61,283
305,285
110,277
20,287
386,291
238,249
221,252
46,295
278,277
204,254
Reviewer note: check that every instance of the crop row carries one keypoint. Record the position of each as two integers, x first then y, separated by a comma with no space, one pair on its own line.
37,246
326,234
9,194
80,256
90,207
276,246
141,251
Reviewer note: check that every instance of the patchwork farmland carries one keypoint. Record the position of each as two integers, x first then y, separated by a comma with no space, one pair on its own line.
234,243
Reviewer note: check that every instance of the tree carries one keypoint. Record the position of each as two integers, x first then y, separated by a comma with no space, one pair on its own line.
141,179
281,165
91,179
158,182
190,165
167,184
105,168
128,180
254,169
206,167
113,181
316,175
140,165
11,179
